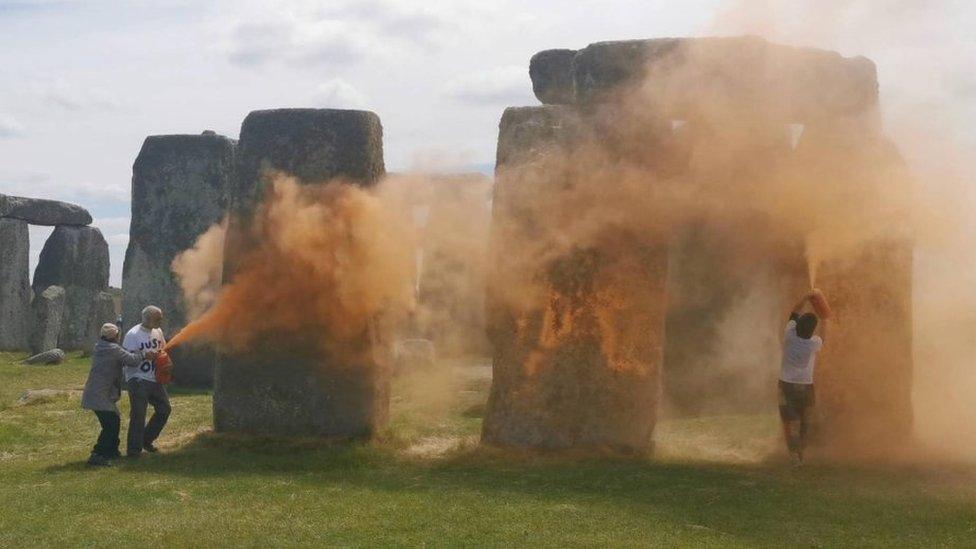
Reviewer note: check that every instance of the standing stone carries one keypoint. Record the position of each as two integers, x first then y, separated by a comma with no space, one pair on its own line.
75,258
180,186
103,311
864,373
48,314
38,211
14,284
551,72
287,386
577,339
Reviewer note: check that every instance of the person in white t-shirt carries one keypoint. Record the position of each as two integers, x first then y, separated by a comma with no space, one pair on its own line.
143,388
796,395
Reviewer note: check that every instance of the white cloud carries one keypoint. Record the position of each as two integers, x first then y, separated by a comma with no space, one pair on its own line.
41,185
508,85
113,225
116,233
339,94
119,240
10,127
296,40
303,31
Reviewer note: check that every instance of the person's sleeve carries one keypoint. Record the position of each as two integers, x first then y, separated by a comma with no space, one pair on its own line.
128,343
818,342
128,358
791,325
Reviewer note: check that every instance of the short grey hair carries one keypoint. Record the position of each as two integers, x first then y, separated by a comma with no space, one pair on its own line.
149,311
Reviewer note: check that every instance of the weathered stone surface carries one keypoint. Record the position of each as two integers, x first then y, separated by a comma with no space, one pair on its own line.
314,145
32,397
721,274
180,186
75,258
102,311
525,133
286,386
14,284
39,211
690,78
193,365
576,357
49,357
551,72
48,314
582,367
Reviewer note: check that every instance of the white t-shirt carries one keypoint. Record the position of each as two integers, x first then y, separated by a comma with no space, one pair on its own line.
799,356
138,339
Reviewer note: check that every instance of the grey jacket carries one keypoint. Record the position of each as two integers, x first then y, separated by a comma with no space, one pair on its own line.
104,386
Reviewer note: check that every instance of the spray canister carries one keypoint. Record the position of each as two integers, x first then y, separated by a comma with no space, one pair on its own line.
820,305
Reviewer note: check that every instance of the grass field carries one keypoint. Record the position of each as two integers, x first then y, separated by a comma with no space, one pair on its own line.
426,482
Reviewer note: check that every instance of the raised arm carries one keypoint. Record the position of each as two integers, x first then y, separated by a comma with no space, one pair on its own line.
798,308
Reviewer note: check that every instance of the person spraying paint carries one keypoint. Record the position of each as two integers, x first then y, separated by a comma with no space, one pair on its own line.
800,348
144,388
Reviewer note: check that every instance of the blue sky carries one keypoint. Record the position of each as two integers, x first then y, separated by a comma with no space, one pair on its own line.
83,82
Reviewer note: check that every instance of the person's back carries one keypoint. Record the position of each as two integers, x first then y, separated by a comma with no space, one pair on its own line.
799,354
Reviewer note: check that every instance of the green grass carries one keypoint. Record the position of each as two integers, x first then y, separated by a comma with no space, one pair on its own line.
426,482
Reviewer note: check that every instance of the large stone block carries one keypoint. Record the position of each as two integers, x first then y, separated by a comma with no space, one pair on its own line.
729,270
180,187
102,312
15,292
38,211
75,258
864,374
581,368
692,78
48,314
730,285
286,385
551,72
577,338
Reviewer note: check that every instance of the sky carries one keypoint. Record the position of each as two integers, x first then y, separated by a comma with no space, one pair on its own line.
84,82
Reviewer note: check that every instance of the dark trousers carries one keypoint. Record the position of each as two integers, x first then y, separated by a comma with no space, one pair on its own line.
107,444
141,394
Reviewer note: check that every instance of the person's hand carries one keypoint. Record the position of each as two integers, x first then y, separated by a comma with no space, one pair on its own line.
150,355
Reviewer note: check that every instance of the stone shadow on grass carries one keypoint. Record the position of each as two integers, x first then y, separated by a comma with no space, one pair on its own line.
804,506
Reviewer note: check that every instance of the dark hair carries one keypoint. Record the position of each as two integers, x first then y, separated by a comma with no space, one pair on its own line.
805,325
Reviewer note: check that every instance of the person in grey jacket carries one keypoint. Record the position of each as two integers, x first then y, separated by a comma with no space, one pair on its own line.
104,388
